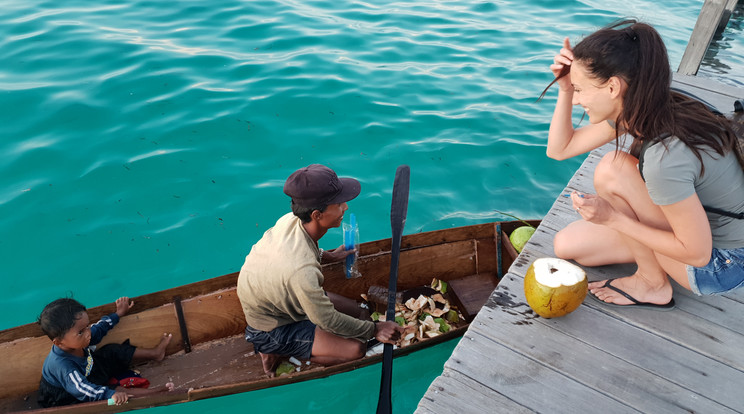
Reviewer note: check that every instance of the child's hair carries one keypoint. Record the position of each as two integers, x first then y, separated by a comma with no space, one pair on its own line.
59,316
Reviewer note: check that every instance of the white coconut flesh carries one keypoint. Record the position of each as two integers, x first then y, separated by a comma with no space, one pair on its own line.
553,272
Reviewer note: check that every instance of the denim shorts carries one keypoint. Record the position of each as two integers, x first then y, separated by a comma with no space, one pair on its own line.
295,339
724,273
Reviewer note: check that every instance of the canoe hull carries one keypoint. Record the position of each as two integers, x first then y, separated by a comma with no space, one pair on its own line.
212,321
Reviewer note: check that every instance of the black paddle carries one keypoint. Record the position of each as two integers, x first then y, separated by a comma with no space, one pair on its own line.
397,221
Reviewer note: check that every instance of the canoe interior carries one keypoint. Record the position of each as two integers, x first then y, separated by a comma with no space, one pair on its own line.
220,362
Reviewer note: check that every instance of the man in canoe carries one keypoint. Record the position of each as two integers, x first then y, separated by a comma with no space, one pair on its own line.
281,284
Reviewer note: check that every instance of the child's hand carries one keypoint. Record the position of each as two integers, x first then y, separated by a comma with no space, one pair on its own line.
123,304
120,397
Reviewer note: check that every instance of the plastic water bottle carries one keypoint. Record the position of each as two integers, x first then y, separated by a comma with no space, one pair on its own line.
351,241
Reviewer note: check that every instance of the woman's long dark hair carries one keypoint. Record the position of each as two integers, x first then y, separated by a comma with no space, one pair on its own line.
636,53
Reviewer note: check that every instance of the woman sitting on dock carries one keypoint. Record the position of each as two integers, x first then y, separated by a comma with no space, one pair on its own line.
680,211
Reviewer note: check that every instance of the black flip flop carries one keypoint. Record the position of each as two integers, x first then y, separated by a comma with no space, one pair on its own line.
636,304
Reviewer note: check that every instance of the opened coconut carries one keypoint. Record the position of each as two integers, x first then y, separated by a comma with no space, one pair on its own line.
554,287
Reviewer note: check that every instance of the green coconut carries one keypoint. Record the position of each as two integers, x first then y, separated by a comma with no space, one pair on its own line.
520,236
554,287
285,367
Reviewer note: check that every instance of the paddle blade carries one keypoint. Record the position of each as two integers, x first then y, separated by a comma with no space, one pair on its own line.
399,207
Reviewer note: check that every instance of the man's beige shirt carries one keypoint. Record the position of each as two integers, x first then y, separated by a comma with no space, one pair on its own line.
281,283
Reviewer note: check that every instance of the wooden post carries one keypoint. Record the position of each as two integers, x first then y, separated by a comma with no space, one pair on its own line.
727,12
705,27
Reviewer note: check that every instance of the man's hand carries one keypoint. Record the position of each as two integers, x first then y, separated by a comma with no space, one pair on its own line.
330,256
123,304
388,331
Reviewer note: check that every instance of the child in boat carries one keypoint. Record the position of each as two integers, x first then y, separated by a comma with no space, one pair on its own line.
74,371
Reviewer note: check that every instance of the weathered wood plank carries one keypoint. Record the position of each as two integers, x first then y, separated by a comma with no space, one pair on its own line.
524,380
720,96
633,344
627,381
449,392
705,27
25,367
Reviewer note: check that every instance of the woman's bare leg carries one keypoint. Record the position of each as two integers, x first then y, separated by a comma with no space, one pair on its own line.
618,181
591,244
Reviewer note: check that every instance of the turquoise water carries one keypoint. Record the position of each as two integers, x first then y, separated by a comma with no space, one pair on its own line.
145,144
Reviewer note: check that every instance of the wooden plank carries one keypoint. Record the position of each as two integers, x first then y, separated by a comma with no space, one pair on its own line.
140,303
720,96
447,393
472,292
705,27
627,383
728,10
528,382
22,373
630,342
417,267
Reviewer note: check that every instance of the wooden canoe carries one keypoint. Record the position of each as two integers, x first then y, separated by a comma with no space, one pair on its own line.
208,356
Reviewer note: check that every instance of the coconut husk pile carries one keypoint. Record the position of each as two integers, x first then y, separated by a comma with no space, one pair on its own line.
425,316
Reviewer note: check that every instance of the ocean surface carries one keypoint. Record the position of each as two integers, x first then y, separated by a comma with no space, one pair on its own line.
144,144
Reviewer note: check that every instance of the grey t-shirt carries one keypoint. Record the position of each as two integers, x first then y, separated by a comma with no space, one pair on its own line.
672,174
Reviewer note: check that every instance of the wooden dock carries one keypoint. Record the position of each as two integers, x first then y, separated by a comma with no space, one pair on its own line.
598,359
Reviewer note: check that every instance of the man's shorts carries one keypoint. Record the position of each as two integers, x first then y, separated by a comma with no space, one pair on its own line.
295,339
724,273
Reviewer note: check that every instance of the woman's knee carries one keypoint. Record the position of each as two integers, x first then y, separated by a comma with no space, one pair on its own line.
564,245
613,171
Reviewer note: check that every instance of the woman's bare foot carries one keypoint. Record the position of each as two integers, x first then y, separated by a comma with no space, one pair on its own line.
270,361
635,286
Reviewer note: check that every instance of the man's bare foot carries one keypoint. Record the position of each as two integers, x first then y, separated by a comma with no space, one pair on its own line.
270,362
636,286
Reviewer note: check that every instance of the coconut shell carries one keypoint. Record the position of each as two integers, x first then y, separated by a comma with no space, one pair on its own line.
553,302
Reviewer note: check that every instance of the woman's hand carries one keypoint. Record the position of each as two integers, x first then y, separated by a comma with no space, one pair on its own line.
340,253
123,305
562,65
592,208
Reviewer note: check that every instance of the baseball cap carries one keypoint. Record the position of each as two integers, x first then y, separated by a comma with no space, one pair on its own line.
317,185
